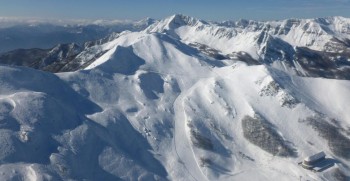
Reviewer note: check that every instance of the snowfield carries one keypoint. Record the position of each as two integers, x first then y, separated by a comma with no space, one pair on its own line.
152,107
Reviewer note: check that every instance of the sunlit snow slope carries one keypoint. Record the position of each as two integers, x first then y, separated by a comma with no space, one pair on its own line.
152,107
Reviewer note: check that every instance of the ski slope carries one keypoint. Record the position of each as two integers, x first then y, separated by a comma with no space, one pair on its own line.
154,108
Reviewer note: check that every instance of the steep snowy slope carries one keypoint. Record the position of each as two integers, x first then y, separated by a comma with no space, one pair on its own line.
306,47
152,106
303,45
313,33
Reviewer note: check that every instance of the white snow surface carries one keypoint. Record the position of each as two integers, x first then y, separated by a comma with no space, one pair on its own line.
154,108
243,35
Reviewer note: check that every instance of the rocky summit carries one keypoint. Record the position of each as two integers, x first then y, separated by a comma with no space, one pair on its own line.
181,99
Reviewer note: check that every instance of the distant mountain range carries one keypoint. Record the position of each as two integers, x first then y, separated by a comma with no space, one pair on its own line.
181,99
311,47
44,34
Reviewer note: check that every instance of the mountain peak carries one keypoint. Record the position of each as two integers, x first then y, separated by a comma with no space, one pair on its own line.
173,22
200,101
181,20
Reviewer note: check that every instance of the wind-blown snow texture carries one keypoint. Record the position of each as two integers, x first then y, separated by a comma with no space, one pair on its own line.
184,99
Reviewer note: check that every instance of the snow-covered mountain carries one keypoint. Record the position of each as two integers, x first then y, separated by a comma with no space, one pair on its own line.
302,44
184,99
307,47
27,33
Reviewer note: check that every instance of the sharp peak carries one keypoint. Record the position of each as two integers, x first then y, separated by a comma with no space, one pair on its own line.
173,22
179,15
183,18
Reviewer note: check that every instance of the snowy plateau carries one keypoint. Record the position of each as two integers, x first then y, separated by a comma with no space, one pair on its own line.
181,99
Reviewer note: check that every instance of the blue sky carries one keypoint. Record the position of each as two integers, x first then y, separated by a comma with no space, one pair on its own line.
203,9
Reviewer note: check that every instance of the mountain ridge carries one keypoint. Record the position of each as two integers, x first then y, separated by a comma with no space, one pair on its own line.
265,42
168,103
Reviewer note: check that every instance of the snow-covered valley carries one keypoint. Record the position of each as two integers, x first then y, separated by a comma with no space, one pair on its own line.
184,99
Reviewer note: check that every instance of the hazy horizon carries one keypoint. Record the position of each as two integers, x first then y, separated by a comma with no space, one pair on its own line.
11,21
217,11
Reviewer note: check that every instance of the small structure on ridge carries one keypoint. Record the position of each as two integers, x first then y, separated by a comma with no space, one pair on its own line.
316,162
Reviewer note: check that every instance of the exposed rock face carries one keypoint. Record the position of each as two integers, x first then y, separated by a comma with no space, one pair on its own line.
309,47
338,143
52,60
333,64
263,134
164,106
